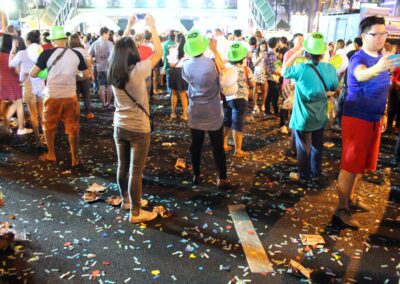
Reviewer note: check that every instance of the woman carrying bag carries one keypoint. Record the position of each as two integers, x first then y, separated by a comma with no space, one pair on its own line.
127,75
205,109
315,80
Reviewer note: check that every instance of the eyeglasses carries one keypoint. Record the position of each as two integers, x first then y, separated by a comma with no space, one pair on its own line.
385,34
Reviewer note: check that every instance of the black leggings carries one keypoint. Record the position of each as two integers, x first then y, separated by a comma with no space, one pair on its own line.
272,96
217,143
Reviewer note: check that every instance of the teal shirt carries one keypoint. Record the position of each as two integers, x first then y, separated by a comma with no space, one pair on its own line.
165,47
310,101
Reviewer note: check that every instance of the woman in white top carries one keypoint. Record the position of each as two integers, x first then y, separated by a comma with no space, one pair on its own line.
127,75
236,79
176,83
260,76
32,87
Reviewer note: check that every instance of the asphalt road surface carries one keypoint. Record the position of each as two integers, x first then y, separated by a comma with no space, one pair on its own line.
71,241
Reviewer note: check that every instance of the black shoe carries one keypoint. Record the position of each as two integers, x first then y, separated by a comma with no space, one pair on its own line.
347,218
197,179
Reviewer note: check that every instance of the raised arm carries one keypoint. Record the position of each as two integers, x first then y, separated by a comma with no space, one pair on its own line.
218,59
155,58
362,73
291,60
131,21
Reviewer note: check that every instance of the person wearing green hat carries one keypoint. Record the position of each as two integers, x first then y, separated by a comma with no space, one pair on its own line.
60,100
314,81
205,110
236,79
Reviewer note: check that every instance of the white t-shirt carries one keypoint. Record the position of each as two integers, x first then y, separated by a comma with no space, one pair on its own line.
222,46
127,115
173,58
26,64
61,82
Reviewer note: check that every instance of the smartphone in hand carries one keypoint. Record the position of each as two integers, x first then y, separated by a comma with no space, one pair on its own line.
396,57
140,16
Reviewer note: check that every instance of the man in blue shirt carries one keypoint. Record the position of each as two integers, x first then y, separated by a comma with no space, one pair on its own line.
363,120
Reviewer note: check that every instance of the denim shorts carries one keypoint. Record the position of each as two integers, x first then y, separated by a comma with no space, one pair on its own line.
234,114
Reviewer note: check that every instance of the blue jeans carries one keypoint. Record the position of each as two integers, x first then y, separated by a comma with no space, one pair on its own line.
132,149
234,114
309,146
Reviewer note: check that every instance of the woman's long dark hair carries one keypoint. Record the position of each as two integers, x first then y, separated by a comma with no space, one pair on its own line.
259,46
74,41
123,59
180,39
313,57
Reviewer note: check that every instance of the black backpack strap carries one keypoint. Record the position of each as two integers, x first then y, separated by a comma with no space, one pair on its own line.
57,59
319,75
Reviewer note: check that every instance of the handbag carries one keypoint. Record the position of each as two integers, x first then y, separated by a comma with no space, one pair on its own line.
172,73
142,109
288,95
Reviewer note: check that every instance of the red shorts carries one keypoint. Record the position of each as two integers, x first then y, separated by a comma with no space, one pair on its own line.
360,144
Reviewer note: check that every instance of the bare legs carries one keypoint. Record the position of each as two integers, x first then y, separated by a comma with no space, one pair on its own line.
174,102
347,183
18,107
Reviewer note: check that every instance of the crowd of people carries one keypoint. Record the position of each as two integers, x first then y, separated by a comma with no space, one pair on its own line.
223,82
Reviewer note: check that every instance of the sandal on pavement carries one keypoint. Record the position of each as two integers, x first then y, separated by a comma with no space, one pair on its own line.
43,157
227,148
79,165
240,154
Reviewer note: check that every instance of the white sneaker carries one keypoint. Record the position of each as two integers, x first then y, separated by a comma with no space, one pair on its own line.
143,203
262,108
255,111
24,131
284,130
143,216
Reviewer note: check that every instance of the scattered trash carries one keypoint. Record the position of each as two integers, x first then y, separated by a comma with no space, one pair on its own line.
311,240
329,144
96,188
298,270
160,210
91,196
114,200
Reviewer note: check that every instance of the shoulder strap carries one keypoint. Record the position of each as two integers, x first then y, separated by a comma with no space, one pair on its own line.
319,75
57,59
137,104
246,74
177,63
